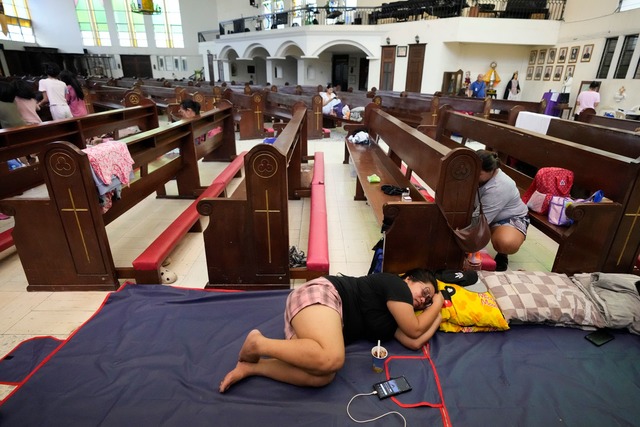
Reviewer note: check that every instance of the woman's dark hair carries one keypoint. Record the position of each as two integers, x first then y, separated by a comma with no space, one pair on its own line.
51,69
189,104
7,92
489,160
421,275
24,89
70,79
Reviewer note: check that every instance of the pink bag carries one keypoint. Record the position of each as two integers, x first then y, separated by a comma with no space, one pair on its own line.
548,182
558,210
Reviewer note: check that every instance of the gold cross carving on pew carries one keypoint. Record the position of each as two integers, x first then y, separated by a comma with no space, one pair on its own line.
258,114
268,212
75,213
633,225
318,116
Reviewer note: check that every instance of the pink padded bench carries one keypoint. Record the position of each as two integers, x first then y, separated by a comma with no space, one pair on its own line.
147,265
318,251
6,240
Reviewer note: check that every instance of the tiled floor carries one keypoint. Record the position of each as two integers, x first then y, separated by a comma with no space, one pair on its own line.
352,232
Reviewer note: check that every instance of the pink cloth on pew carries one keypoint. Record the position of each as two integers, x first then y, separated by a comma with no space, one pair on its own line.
109,159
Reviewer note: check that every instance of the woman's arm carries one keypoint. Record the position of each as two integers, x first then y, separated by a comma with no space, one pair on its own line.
45,99
417,343
411,325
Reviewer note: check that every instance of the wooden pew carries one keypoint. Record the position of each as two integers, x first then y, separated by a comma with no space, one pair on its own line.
30,140
147,267
249,113
281,105
612,122
247,239
72,250
603,236
104,98
415,233
506,110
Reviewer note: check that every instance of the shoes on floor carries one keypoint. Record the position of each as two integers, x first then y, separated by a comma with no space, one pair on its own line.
473,262
502,262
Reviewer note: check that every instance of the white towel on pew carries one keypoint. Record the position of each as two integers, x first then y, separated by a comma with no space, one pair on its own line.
533,122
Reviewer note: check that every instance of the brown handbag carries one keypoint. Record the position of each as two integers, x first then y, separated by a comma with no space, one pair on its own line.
476,235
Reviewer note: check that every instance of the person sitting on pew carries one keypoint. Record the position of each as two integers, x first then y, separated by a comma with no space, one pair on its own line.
588,98
189,109
331,104
507,214
327,313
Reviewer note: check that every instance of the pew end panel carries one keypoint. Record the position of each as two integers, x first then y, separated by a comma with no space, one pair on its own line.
414,231
72,249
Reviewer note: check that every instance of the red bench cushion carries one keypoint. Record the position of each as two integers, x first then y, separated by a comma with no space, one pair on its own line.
318,168
318,252
6,239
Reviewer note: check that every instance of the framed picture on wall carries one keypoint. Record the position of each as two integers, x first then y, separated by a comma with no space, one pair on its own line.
542,56
176,63
586,53
402,51
161,63
570,71
538,74
547,72
532,57
183,62
562,55
529,73
573,54
557,74
552,56
168,63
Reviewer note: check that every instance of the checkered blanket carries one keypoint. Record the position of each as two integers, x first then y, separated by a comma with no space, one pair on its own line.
542,297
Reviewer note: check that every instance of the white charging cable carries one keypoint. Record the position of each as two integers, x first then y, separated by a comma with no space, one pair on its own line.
404,420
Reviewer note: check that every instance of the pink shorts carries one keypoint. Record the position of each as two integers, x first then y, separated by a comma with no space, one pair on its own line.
316,291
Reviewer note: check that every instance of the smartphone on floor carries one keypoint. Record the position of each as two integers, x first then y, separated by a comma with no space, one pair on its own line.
599,337
392,387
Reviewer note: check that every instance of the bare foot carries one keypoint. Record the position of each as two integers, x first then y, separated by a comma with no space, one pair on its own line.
249,351
241,371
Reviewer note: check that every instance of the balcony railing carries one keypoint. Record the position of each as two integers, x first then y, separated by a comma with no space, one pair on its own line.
399,11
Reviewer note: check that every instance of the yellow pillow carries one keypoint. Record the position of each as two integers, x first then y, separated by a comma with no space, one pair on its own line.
466,311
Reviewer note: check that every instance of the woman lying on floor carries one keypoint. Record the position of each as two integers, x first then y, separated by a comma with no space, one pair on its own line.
325,314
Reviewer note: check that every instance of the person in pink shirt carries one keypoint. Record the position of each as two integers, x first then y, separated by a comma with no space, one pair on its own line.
26,101
588,98
75,96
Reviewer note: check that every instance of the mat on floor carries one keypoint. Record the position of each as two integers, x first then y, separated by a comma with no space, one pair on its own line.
154,355
25,357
